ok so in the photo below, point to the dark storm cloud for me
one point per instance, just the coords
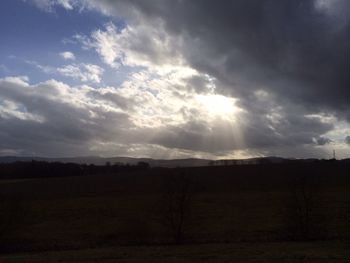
(323, 141)
(347, 140)
(297, 51)
(252, 132)
(294, 48)
(115, 99)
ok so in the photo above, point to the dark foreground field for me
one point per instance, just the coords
(216, 253)
(252, 213)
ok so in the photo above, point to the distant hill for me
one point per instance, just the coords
(190, 162)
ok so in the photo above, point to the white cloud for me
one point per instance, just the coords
(67, 55)
(139, 45)
(105, 45)
(48, 5)
(67, 4)
(82, 72)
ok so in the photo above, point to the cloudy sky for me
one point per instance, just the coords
(175, 78)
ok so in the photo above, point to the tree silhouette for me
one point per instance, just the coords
(176, 205)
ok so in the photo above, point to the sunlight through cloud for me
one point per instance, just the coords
(218, 105)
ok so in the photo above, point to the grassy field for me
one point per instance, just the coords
(234, 213)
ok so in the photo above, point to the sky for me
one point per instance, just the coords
(175, 78)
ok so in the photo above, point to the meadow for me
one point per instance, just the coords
(251, 213)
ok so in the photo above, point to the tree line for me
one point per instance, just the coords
(35, 169)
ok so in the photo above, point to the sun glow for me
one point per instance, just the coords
(218, 105)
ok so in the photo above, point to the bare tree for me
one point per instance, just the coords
(304, 217)
(176, 204)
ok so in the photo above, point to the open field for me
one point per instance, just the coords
(241, 212)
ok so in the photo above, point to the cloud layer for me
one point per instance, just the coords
(234, 79)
